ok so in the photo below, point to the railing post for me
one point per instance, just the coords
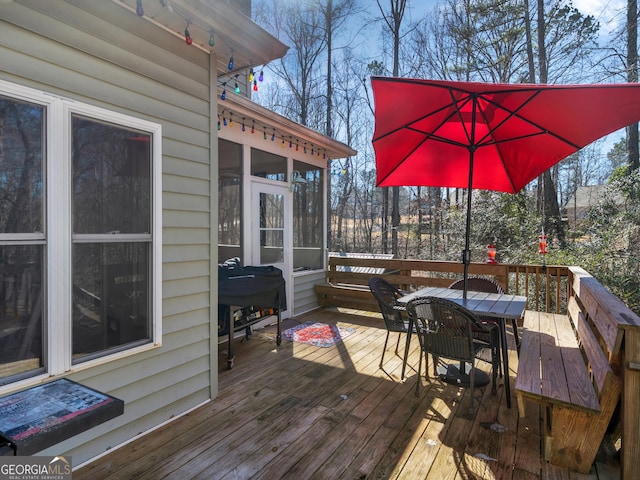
(630, 454)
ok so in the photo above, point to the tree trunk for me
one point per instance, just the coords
(529, 40)
(632, 77)
(551, 209)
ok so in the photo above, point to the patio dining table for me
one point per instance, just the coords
(500, 306)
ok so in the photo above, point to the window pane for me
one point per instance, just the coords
(268, 165)
(21, 164)
(308, 225)
(271, 228)
(229, 200)
(21, 311)
(111, 292)
(111, 178)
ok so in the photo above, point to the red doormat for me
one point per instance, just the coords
(318, 334)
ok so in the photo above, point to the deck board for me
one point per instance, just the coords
(298, 411)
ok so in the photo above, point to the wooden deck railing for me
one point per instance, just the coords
(548, 289)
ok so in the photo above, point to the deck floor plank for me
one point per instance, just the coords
(298, 411)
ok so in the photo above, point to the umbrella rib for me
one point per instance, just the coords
(514, 113)
(415, 120)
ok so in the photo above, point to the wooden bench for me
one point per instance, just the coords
(347, 279)
(569, 364)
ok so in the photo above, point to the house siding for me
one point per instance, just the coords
(99, 53)
(305, 298)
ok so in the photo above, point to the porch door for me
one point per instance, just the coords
(271, 231)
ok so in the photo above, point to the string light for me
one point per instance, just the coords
(251, 75)
(139, 9)
(230, 65)
(255, 86)
(187, 35)
(314, 151)
(261, 76)
(224, 91)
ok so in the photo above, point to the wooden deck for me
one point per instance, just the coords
(304, 412)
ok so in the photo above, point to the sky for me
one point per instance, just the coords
(603, 11)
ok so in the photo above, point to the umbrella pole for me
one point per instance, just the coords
(466, 253)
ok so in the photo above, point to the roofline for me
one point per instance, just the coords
(243, 107)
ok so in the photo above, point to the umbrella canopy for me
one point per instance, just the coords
(488, 136)
(425, 129)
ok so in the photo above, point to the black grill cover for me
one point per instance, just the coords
(252, 286)
(260, 287)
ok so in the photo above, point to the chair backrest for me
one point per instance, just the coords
(387, 297)
(478, 284)
(445, 327)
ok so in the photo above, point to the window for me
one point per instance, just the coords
(229, 200)
(22, 238)
(308, 218)
(80, 263)
(268, 165)
(111, 204)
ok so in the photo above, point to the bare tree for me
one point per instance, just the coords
(301, 25)
(393, 20)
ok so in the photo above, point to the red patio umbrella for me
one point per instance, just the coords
(488, 136)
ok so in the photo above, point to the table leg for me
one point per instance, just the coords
(505, 360)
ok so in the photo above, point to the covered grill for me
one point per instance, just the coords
(247, 295)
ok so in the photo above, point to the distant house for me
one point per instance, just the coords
(129, 169)
(582, 201)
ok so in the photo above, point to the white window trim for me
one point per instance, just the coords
(57, 184)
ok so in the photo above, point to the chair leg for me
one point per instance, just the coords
(398, 342)
(406, 354)
(514, 324)
(384, 349)
(471, 378)
(420, 372)
(496, 358)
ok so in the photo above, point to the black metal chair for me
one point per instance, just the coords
(446, 329)
(481, 284)
(393, 313)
